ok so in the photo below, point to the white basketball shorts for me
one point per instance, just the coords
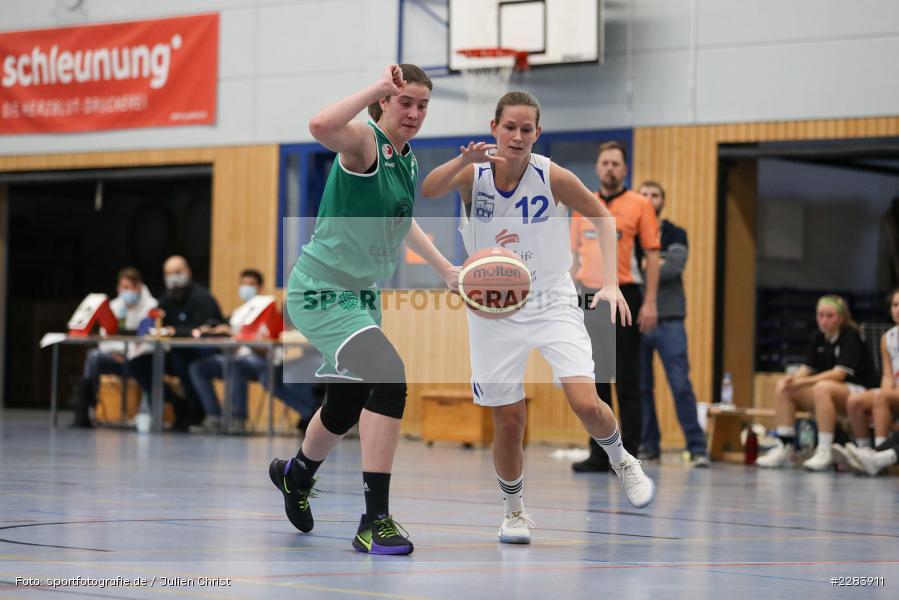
(500, 350)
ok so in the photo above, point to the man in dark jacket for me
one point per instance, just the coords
(669, 339)
(187, 306)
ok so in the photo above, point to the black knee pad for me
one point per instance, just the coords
(371, 356)
(388, 399)
(342, 406)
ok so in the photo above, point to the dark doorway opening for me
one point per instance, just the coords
(69, 235)
(798, 220)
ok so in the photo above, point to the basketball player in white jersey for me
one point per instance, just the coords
(879, 404)
(521, 201)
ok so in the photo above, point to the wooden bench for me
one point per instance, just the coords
(452, 416)
(725, 425)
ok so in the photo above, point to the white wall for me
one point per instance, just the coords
(667, 62)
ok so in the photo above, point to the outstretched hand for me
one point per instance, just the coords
(477, 152)
(612, 294)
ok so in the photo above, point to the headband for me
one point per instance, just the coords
(834, 303)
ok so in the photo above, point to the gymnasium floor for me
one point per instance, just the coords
(109, 504)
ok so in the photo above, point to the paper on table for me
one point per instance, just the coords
(52, 338)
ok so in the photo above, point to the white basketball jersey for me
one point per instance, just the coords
(526, 220)
(892, 338)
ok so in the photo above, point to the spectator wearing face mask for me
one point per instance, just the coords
(248, 365)
(187, 306)
(130, 306)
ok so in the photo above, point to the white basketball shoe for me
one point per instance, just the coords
(638, 487)
(516, 528)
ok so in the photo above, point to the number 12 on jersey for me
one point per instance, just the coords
(540, 202)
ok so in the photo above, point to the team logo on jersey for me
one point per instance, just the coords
(483, 207)
(402, 213)
(503, 238)
(387, 151)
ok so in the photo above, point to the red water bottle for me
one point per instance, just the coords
(751, 449)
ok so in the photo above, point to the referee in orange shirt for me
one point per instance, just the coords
(638, 237)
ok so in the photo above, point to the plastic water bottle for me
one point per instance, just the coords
(727, 390)
(143, 420)
(806, 434)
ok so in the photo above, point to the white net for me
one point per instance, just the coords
(486, 79)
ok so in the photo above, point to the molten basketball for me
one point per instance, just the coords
(494, 283)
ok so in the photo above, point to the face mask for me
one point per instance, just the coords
(130, 297)
(177, 280)
(247, 291)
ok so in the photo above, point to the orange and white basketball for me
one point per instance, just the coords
(494, 283)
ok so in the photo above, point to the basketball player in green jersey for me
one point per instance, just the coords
(365, 214)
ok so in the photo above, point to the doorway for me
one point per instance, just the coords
(69, 233)
(799, 220)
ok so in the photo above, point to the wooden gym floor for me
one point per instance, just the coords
(111, 503)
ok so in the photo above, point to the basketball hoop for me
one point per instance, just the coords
(486, 73)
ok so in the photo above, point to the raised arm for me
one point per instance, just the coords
(455, 174)
(569, 190)
(335, 126)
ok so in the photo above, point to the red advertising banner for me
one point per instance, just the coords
(155, 73)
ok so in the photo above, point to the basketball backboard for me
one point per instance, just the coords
(553, 32)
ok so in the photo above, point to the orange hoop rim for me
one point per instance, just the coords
(520, 56)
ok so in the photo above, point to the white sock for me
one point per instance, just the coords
(613, 447)
(886, 458)
(511, 493)
(863, 442)
(825, 440)
(879, 439)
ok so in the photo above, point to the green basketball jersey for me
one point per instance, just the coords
(363, 218)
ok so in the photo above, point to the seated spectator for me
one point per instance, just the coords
(298, 393)
(187, 306)
(130, 306)
(838, 363)
(881, 404)
(248, 365)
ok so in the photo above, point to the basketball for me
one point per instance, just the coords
(494, 283)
